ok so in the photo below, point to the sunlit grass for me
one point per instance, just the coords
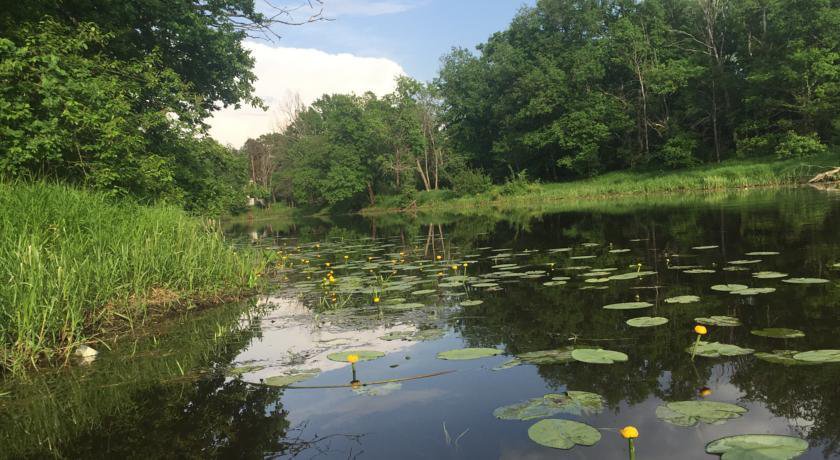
(73, 263)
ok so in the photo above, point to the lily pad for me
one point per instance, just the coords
(397, 335)
(424, 292)
(765, 275)
(819, 356)
(403, 306)
(725, 321)
(428, 334)
(784, 357)
(471, 303)
(556, 356)
(571, 402)
(554, 283)
(805, 280)
(485, 285)
(683, 299)
(462, 354)
(628, 306)
(508, 364)
(646, 321)
(744, 262)
(704, 248)
(758, 447)
(754, 291)
(689, 413)
(288, 379)
(762, 253)
(618, 251)
(728, 287)
(632, 275)
(717, 349)
(598, 356)
(364, 355)
(778, 333)
(563, 434)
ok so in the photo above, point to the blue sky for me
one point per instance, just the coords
(413, 33)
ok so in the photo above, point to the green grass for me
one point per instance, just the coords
(76, 266)
(727, 175)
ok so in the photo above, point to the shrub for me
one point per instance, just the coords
(797, 145)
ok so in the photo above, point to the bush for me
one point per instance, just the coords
(518, 184)
(796, 145)
(678, 152)
(469, 181)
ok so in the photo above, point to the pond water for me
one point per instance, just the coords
(761, 270)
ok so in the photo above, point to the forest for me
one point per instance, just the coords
(571, 90)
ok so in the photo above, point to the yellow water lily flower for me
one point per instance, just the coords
(629, 432)
(376, 300)
(352, 359)
(700, 329)
(438, 257)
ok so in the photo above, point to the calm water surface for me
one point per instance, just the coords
(172, 394)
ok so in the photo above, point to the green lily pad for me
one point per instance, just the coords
(784, 357)
(618, 251)
(699, 271)
(805, 280)
(628, 306)
(364, 355)
(632, 275)
(288, 379)
(733, 268)
(744, 262)
(704, 248)
(598, 356)
(725, 321)
(424, 292)
(397, 335)
(591, 245)
(646, 321)
(778, 333)
(758, 447)
(754, 291)
(556, 356)
(403, 306)
(716, 350)
(597, 280)
(428, 334)
(689, 413)
(508, 364)
(769, 275)
(461, 354)
(563, 434)
(554, 283)
(471, 303)
(485, 285)
(582, 257)
(819, 356)
(683, 299)
(571, 402)
(837, 265)
(762, 253)
(728, 287)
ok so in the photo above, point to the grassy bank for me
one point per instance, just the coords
(76, 267)
(727, 175)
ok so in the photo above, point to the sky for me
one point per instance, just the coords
(364, 46)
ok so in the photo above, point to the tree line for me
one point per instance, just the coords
(573, 89)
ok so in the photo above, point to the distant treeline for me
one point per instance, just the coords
(572, 89)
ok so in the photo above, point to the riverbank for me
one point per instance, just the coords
(727, 175)
(78, 268)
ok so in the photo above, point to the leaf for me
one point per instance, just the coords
(364, 355)
(703, 248)
(554, 283)
(725, 321)
(628, 306)
(571, 402)
(646, 321)
(598, 356)
(557, 356)
(471, 303)
(805, 280)
(631, 275)
(744, 262)
(689, 413)
(778, 333)
(485, 285)
(769, 275)
(288, 379)
(699, 271)
(424, 292)
(618, 251)
(461, 354)
(754, 291)
(728, 287)
(762, 253)
(819, 356)
(508, 364)
(563, 434)
(784, 357)
(716, 350)
(403, 306)
(397, 335)
(683, 299)
(757, 447)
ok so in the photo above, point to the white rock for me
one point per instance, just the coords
(85, 351)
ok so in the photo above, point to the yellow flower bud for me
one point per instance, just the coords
(352, 359)
(438, 257)
(700, 329)
(629, 432)
(376, 300)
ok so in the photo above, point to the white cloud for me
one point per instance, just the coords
(366, 7)
(283, 72)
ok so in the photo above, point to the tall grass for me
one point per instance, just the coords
(72, 263)
(727, 175)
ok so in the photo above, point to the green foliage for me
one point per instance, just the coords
(470, 181)
(78, 262)
(795, 145)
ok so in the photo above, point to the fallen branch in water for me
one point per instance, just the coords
(361, 384)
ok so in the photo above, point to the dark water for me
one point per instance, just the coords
(169, 396)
